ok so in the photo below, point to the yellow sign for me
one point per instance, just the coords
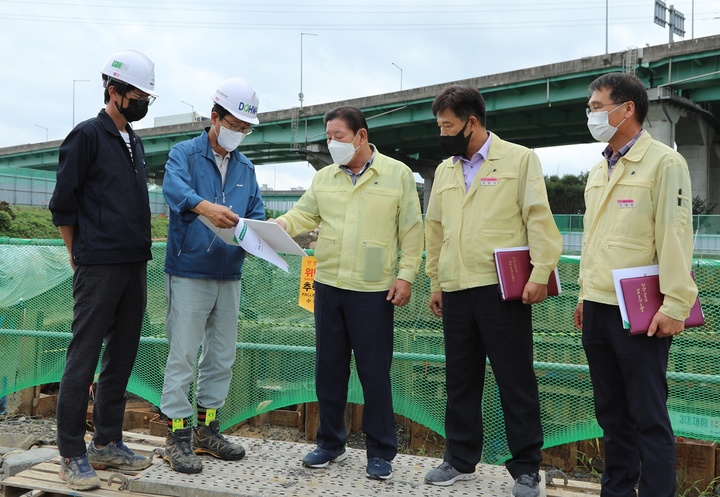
(307, 283)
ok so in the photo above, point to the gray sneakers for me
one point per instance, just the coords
(527, 485)
(78, 474)
(445, 475)
(116, 455)
(179, 452)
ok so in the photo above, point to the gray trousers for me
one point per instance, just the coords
(199, 312)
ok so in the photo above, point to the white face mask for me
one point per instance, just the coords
(599, 125)
(342, 152)
(229, 139)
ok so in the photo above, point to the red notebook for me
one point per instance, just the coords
(514, 267)
(643, 299)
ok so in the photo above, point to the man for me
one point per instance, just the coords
(206, 176)
(490, 194)
(369, 208)
(101, 206)
(628, 372)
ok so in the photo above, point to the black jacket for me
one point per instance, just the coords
(103, 193)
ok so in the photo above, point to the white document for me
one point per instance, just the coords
(262, 239)
(631, 272)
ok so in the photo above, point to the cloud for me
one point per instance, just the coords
(195, 45)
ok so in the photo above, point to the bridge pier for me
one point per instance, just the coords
(688, 129)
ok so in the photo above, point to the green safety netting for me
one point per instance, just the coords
(275, 361)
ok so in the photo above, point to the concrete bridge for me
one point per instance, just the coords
(537, 107)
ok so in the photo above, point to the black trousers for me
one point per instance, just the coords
(478, 324)
(630, 392)
(360, 322)
(109, 306)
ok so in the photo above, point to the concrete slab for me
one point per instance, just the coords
(273, 468)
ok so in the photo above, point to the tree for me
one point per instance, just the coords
(567, 194)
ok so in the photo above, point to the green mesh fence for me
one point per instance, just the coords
(275, 361)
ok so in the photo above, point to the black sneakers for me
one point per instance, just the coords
(179, 452)
(208, 440)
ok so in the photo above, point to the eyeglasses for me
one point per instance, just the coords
(596, 108)
(140, 98)
(243, 128)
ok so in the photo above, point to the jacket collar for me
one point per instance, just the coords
(498, 150)
(109, 124)
(638, 150)
(207, 151)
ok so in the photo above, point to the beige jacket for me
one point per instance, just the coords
(640, 216)
(506, 206)
(363, 225)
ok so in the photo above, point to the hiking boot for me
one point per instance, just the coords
(527, 485)
(208, 440)
(445, 475)
(179, 453)
(116, 455)
(321, 458)
(378, 468)
(78, 474)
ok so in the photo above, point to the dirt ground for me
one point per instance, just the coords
(46, 432)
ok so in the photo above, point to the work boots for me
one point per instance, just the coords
(179, 452)
(208, 440)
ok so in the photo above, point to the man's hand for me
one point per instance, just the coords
(578, 316)
(281, 223)
(664, 326)
(219, 215)
(436, 303)
(399, 293)
(534, 293)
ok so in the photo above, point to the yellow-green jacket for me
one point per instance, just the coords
(363, 225)
(506, 206)
(640, 216)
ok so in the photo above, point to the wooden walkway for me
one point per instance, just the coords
(273, 469)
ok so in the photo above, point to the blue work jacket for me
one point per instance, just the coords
(191, 175)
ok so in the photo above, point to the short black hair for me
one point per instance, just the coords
(464, 101)
(624, 87)
(120, 86)
(220, 110)
(352, 116)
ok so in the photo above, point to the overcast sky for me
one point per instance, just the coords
(361, 48)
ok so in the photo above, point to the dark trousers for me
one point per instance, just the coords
(109, 305)
(476, 324)
(360, 322)
(630, 392)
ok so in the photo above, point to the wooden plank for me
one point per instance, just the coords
(574, 488)
(44, 476)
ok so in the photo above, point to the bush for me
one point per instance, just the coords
(31, 222)
(5, 221)
(36, 222)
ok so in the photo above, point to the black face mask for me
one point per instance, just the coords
(135, 110)
(457, 144)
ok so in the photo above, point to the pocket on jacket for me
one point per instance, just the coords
(448, 266)
(373, 263)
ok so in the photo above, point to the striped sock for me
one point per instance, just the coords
(176, 424)
(206, 416)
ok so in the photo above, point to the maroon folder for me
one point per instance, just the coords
(643, 299)
(513, 269)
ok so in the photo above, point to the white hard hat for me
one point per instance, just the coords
(238, 97)
(133, 68)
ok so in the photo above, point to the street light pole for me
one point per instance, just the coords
(192, 108)
(401, 71)
(73, 103)
(46, 131)
(606, 26)
(300, 95)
